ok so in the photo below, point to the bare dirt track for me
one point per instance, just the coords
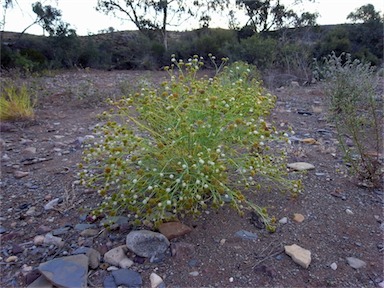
(341, 219)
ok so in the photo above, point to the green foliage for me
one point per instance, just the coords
(356, 111)
(16, 103)
(336, 40)
(186, 145)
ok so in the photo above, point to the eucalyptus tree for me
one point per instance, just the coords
(158, 15)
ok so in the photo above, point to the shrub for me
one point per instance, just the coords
(16, 103)
(196, 142)
(355, 109)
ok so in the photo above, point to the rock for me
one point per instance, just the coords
(50, 239)
(70, 271)
(311, 141)
(92, 254)
(182, 250)
(51, 204)
(89, 232)
(127, 278)
(31, 211)
(295, 84)
(109, 282)
(174, 229)
(333, 266)
(246, 235)
(125, 263)
(299, 255)
(349, 211)
(40, 282)
(29, 151)
(2, 230)
(20, 174)
(11, 259)
(156, 281)
(38, 240)
(298, 217)
(147, 243)
(283, 220)
(355, 262)
(61, 231)
(81, 227)
(16, 249)
(115, 255)
(300, 166)
(32, 276)
(25, 269)
(194, 273)
(381, 284)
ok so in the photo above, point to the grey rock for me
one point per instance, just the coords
(147, 243)
(89, 232)
(51, 204)
(300, 166)
(283, 220)
(92, 254)
(70, 271)
(128, 278)
(40, 282)
(81, 227)
(156, 281)
(355, 262)
(2, 230)
(246, 235)
(50, 239)
(61, 231)
(109, 282)
(115, 255)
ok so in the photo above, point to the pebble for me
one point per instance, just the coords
(89, 232)
(283, 220)
(156, 281)
(51, 204)
(194, 273)
(127, 278)
(297, 217)
(355, 262)
(38, 240)
(173, 230)
(349, 211)
(11, 259)
(116, 255)
(81, 227)
(50, 239)
(246, 235)
(300, 166)
(146, 243)
(333, 266)
(20, 174)
(299, 255)
(29, 151)
(125, 263)
(182, 250)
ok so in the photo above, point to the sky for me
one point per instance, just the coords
(84, 18)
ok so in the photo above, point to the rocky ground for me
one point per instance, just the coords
(45, 235)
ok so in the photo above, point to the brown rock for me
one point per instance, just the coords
(299, 255)
(298, 217)
(20, 174)
(174, 229)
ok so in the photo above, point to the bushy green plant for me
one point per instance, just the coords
(356, 111)
(195, 142)
(16, 103)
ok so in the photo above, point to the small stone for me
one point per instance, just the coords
(127, 278)
(16, 249)
(156, 280)
(349, 211)
(301, 166)
(298, 217)
(182, 250)
(299, 255)
(194, 273)
(32, 276)
(29, 151)
(246, 235)
(81, 227)
(283, 220)
(222, 241)
(334, 266)
(147, 243)
(112, 268)
(125, 263)
(31, 211)
(50, 239)
(115, 255)
(89, 232)
(11, 259)
(93, 256)
(381, 284)
(20, 174)
(25, 269)
(355, 262)
(43, 229)
(38, 240)
(230, 279)
(61, 231)
(51, 204)
(174, 229)
(310, 141)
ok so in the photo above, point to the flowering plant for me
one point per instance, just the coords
(195, 142)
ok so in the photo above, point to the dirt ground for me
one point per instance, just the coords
(341, 219)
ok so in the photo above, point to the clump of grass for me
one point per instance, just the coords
(197, 142)
(356, 111)
(16, 103)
